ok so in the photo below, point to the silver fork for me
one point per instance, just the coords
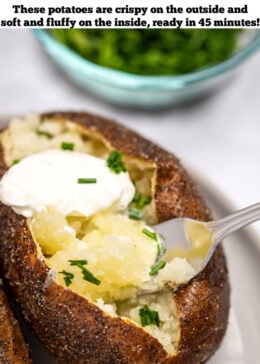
(180, 233)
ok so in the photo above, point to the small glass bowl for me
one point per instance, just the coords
(138, 91)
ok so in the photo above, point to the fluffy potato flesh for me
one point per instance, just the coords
(118, 254)
(112, 245)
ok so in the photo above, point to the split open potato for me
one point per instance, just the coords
(92, 311)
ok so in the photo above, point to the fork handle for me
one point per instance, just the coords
(237, 220)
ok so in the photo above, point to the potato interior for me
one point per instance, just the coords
(111, 245)
(116, 256)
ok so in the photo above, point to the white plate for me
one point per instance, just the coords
(241, 344)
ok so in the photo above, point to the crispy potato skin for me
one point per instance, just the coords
(75, 330)
(13, 349)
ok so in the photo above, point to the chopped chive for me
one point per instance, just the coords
(148, 316)
(67, 277)
(15, 161)
(67, 146)
(87, 275)
(114, 162)
(140, 200)
(78, 262)
(134, 213)
(44, 133)
(157, 267)
(150, 234)
(87, 180)
(159, 249)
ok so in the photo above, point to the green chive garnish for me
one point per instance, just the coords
(78, 262)
(67, 277)
(15, 161)
(114, 162)
(157, 267)
(141, 201)
(87, 275)
(149, 317)
(44, 133)
(134, 213)
(67, 146)
(150, 234)
(87, 180)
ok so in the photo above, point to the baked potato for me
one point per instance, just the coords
(101, 318)
(13, 349)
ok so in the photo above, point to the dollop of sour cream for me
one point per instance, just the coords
(51, 178)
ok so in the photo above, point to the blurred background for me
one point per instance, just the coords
(216, 136)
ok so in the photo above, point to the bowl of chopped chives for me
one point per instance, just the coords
(149, 68)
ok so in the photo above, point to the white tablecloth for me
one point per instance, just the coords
(219, 137)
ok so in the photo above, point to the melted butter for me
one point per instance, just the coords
(200, 238)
